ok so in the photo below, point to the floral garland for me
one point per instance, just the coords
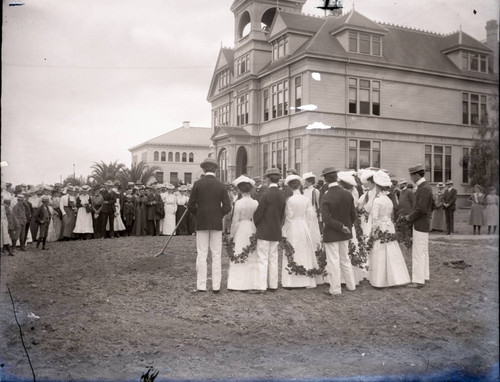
(292, 267)
(404, 232)
(243, 256)
(359, 254)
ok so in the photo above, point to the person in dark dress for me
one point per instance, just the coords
(108, 209)
(42, 217)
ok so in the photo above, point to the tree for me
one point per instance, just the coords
(74, 180)
(101, 172)
(138, 172)
(483, 159)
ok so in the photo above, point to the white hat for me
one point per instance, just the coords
(291, 177)
(308, 175)
(169, 186)
(346, 177)
(382, 179)
(243, 179)
(366, 174)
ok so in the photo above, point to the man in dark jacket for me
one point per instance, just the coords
(108, 209)
(406, 197)
(209, 202)
(420, 216)
(338, 213)
(449, 204)
(269, 218)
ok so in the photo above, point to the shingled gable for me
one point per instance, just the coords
(356, 21)
(294, 22)
(182, 136)
(225, 59)
(461, 40)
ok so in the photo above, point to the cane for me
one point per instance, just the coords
(172, 234)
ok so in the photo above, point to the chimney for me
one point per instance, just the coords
(492, 43)
(185, 124)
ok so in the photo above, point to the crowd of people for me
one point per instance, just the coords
(52, 213)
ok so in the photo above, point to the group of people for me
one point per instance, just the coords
(484, 210)
(304, 221)
(52, 213)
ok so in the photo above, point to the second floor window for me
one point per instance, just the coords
(265, 157)
(242, 110)
(364, 96)
(163, 156)
(365, 43)
(279, 93)
(155, 156)
(224, 79)
(298, 93)
(473, 109)
(243, 64)
(474, 61)
(221, 116)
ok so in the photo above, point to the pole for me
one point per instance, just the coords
(172, 234)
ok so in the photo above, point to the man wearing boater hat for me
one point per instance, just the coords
(209, 202)
(420, 216)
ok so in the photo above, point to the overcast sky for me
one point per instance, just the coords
(85, 80)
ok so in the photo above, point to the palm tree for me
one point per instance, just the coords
(138, 172)
(101, 172)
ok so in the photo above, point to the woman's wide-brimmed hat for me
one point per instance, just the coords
(273, 171)
(243, 179)
(346, 177)
(382, 179)
(291, 177)
(209, 161)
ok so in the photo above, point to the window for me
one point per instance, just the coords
(364, 96)
(163, 156)
(173, 177)
(191, 158)
(266, 104)
(363, 154)
(474, 61)
(156, 156)
(134, 159)
(224, 77)
(474, 109)
(221, 116)
(144, 157)
(170, 156)
(265, 157)
(243, 64)
(188, 177)
(280, 47)
(365, 43)
(159, 176)
(298, 93)
(437, 163)
(298, 153)
(177, 157)
(223, 165)
(184, 157)
(279, 98)
(279, 156)
(242, 110)
(465, 164)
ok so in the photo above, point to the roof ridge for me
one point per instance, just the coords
(409, 28)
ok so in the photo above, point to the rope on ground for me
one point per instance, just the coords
(21, 333)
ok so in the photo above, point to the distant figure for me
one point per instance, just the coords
(476, 211)
(491, 210)
(449, 204)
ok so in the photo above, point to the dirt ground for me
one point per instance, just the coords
(109, 309)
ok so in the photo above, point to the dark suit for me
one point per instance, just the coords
(421, 213)
(154, 212)
(269, 218)
(338, 211)
(406, 199)
(209, 202)
(108, 212)
(450, 198)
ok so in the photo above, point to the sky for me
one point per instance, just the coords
(85, 80)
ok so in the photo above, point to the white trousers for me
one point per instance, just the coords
(420, 257)
(337, 263)
(267, 265)
(204, 240)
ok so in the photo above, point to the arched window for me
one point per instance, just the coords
(177, 157)
(155, 156)
(244, 27)
(223, 165)
(170, 156)
(184, 157)
(163, 156)
(191, 157)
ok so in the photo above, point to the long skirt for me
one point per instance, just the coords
(69, 221)
(183, 227)
(438, 222)
(490, 216)
(387, 265)
(476, 214)
(243, 276)
(84, 223)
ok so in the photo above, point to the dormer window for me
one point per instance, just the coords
(474, 61)
(365, 43)
(280, 47)
(243, 64)
(223, 79)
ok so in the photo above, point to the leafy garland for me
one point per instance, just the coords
(292, 267)
(404, 232)
(243, 256)
(359, 254)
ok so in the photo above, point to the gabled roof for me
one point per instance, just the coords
(294, 22)
(355, 20)
(226, 131)
(184, 136)
(461, 40)
(224, 59)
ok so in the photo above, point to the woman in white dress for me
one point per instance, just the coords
(387, 264)
(243, 276)
(296, 230)
(170, 207)
(118, 225)
(84, 226)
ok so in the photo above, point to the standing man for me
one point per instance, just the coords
(338, 212)
(449, 205)
(406, 198)
(258, 189)
(108, 209)
(20, 218)
(269, 218)
(209, 202)
(420, 216)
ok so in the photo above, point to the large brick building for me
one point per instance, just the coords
(391, 96)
